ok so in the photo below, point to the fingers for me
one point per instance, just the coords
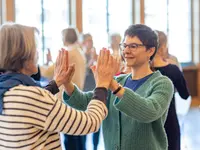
(106, 56)
(110, 61)
(70, 72)
(58, 58)
(117, 66)
(62, 56)
(103, 57)
(65, 59)
(99, 59)
(93, 68)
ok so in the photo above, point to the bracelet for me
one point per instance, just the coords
(117, 90)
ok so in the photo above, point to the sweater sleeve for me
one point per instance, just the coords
(36, 107)
(147, 109)
(180, 83)
(78, 99)
(52, 87)
(62, 118)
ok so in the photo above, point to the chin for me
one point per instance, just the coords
(130, 64)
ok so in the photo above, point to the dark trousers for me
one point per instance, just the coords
(96, 140)
(74, 142)
(172, 129)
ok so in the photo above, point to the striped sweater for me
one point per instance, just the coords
(32, 119)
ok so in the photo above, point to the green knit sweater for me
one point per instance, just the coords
(143, 114)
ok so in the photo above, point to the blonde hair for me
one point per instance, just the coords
(116, 37)
(162, 38)
(17, 45)
(70, 35)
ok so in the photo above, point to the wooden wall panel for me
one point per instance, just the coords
(79, 21)
(10, 10)
(142, 14)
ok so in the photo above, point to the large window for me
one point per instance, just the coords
(180, 30)
(163, 15)
(56, 18)
(95, 21)
(49, 16)
(101, 18)
(120, 15)
(156, 14)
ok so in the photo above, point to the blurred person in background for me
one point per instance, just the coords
(172, 72)
(114, 41)
(165, 52)
(86, 42)
(89, 50)
(76, 56)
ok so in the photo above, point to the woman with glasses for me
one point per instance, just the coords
(138, 102)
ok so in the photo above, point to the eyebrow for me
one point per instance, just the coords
(134, 43)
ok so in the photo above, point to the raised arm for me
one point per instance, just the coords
(145, 109)
(103, 76)
(63, 118)
(180, 83)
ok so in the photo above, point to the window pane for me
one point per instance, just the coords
(120, 15)
(156, 14)
(56, 18)
(163, 16)
(179, 30)
(94, 21)
(29, 13)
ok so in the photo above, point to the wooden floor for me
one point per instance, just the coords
(191, 130)
(195, 102)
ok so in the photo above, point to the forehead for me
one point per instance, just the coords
(134, 39)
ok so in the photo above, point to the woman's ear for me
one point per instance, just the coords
(151, 51)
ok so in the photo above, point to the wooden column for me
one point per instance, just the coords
(79, 21)
(10, 10)
(142, 14)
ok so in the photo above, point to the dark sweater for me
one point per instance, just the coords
(172, 126)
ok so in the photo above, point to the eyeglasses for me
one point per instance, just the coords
(132, 46)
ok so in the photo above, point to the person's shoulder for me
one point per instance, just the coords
(158, 78)
(174, 69)
(33, 92)
(173, 57)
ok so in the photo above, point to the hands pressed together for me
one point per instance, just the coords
(63, 72)
(106, 68)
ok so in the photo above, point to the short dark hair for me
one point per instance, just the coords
(146, 35)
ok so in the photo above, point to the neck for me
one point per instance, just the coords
(141, 71)
(25, 72)
(159, 62)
